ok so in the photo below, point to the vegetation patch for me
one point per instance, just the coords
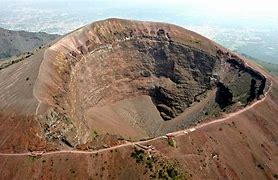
(94, 134)
(138, 155)
(172, 142)
(169, 172)
(158, 167)
(33, 158)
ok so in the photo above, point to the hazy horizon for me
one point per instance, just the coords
(247, 26)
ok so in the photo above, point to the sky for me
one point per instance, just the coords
(252, 9)
(255, 8)
(227, 6)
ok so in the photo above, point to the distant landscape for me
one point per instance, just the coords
(270, 67)
(254, 35)
(14, 43)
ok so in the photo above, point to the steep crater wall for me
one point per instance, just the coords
(172, 74)
(114, 60)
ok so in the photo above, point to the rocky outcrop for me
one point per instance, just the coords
(244, 83)
(59, 127)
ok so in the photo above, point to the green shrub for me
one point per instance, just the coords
(172, 142)
(138, 155)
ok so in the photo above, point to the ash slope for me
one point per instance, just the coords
(14, 43)
(118, 78)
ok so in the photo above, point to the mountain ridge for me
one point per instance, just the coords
(14, 43)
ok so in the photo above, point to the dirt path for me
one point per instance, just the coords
(70, 151)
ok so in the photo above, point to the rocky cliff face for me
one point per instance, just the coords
(112, 61)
